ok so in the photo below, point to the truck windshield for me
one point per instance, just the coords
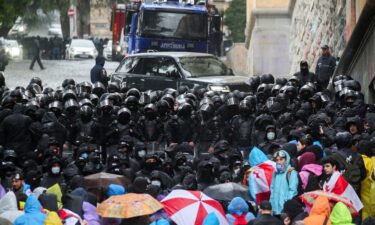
(174, 25)
(203, 66)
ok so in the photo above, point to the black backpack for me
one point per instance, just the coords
(351, 170)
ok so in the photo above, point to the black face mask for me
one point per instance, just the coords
(304, 70)
(150, 115)
(151, 166)
(85, 118)
(123, 120)
(34, 182)
(206, 173)
(107, 111)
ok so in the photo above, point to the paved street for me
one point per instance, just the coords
(18, 73)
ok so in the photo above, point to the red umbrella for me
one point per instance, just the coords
(191, 207)
(309, 198)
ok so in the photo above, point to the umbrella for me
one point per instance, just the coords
(227, 191)
(128, 206)
(102, 180)
(191, 207)
(309, 198)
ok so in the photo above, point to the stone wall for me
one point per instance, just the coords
(314, 23)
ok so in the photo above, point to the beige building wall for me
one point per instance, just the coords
(281, 33)
(100, 19)
(267, 37)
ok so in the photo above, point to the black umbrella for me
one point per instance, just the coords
(227, 191)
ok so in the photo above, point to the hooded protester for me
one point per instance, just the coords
(310, 172)
(89, 208)
(269, 144)
(284, 184)
(53, 219)
(304, 75)
(320, 212)
(341, 215)
(72, 211)
(8, 207)
(259, 162)
(33, 213)
(366, 149)
(54, 174)
(211, 219)
(205, 175)
(49, 202)
(98, 73)
(238, 212)
(56, 190)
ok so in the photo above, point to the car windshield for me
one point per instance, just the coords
(203, 66)
(174, 25)
(82, 43)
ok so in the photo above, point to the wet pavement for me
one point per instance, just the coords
(17, 73)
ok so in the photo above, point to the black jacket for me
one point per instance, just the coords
(15, 133)
(97, 74)
(265, 219)
(325, 68)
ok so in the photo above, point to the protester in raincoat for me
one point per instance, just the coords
(53, 219)
(367, 185)
(238, 212)
(112, 190)
(89, 208)
(284, 184)
(320, 212)
(8, 207)
(340, 215)
(211, 219)
(260, 163)
(33, 214)
(160, 222)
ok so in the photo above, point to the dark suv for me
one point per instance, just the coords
(160, 70)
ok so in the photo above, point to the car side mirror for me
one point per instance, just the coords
(67, 46)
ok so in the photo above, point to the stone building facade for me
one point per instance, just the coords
(281, 33)
(315, 23)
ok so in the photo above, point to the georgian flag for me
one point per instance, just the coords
(260, 180)
(338, 185)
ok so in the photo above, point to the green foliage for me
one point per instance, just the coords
(235, 19)
(10, 10)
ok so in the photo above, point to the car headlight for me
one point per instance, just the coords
(219, 88)
(15, 51)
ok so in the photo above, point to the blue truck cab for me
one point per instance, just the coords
(169, 26)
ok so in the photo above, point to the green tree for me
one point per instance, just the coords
(235, 19)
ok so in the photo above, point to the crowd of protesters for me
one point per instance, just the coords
(189, 139)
